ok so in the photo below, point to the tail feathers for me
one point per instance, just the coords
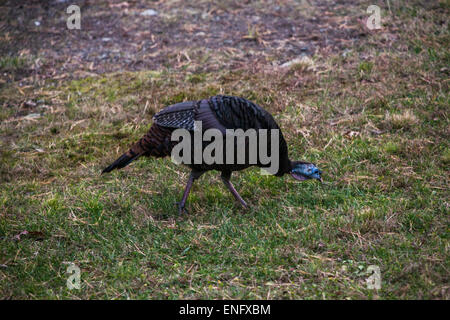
(123, 161)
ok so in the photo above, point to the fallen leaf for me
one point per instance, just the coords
(32, 116)
(351, 134)
(17, 236)
(36, 235)
(119, 5)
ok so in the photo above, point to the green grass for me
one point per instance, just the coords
(12, 63)
(375, 121)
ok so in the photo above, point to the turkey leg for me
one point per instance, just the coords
(194, 176)
(226, 180)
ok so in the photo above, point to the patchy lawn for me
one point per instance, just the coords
(370, 108)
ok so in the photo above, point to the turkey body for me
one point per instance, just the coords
(220, 113)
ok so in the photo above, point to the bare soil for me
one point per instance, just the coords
(116, 36)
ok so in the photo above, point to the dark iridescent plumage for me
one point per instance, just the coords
(218, 112)
(180, 115)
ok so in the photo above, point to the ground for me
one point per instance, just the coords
(369, 107)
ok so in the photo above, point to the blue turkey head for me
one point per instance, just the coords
(305, 171)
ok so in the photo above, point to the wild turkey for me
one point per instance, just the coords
(221, 113)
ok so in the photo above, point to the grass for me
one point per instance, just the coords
(375, 120)
(12, 63)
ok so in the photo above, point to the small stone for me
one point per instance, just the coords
(30, 104)
(346, 52)
(149, 12)
(32, 116)
(303, 59)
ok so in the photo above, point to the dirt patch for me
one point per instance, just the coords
(136, 35)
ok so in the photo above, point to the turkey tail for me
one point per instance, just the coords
(155, 143)
(122, 161)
